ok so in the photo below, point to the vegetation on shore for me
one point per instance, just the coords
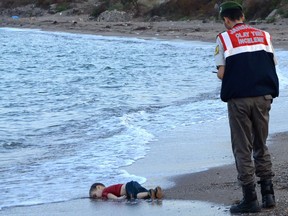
(169, 9)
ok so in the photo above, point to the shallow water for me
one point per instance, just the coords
(77, 108)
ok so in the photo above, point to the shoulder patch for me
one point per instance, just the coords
(216, 50)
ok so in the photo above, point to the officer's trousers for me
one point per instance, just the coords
(248, 120)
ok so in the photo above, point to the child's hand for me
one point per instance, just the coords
(113, 197)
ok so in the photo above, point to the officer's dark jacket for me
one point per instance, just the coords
(250, 68)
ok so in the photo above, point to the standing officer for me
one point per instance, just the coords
(245, 60)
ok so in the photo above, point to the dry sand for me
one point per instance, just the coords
(188, 30)
(217, 186)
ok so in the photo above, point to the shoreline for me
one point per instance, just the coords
(217, 185)
(203, 185)
(197, 30)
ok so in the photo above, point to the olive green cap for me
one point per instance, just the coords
(229, 5)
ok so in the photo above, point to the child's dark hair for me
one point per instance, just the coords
(93, 187)
(232, 14)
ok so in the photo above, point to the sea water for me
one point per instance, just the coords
(76, 108)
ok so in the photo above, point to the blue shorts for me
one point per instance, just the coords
(133, 188)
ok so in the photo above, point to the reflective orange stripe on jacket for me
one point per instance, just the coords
(243, 38)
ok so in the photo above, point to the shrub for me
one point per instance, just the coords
(97, 10)
(118, 6)
(15, 3)
(283, 12)
(61, 3)
(259, 8)
(186, 8)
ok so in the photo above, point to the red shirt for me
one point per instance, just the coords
(113, 189)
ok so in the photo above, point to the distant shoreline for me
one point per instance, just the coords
(186, 30)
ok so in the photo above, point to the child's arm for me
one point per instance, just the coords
(112, 196)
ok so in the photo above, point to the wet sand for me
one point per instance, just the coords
(217, 185)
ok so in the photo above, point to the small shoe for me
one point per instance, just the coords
(158, 192)
(152, 194)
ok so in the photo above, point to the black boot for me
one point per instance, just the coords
(249, 203)
(267, 192)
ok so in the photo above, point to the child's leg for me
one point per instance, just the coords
(133, 188)
(143, 195)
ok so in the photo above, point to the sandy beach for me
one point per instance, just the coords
(199, 30)
(207, 192)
